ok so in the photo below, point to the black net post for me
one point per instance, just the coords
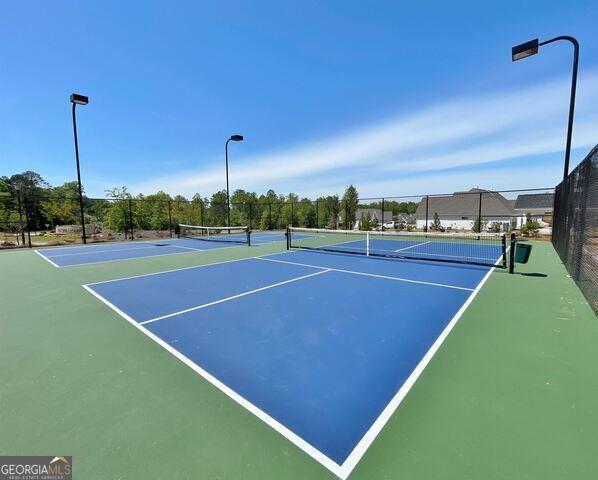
(288, 238)
(131, 218)
(504, 251)
(512, 253)
(27, 221)
(170, 218)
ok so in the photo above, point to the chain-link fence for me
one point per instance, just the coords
(56, 220)
(575, 233)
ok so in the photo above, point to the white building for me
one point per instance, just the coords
(460, 210)
(538, 207)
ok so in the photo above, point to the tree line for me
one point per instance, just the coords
(28, 197)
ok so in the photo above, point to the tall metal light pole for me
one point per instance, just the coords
(77, 99)
(530, 48)
(234, 138)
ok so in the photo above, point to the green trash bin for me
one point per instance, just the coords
(522, 252)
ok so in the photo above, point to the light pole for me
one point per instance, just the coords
(77, 99)
(530, 48)
(234, 138)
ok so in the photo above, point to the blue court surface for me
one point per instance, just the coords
(109, 252)
(322, 347)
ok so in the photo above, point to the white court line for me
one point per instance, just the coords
(95, 252)
(386, 277)
(344, 470)
(192, 309)
(46, 258)
(108, 243)
(177, 269)
(180, 246)
(365, 442)
(146, 256)
(413, 246)
(263, 416)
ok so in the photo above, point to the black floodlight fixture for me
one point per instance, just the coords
(524, 50)
(234, 138)
(79, 99)
(530, 48)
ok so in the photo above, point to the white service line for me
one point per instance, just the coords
(386, 277)
(412, 246)
(180, 246)
(222, 300)
(163, 272)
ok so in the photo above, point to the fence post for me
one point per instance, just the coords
(317, 214)
(269, 216)
(292, 212)
(382, 228)
(201, 212)
(27, 221)
(21, 229)
(427, 204)
(480, 213)
(249, 215)
(131, 219)
(346, 215)
(169, 218)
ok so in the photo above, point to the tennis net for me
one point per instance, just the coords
(216, 234)
(485, 249)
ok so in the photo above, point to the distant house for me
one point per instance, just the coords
(538, 207)
(407, 218)
(375, 215)
(460, 210)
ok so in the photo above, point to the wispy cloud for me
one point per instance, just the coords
(462, 132)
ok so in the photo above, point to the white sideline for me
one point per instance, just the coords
(365, 442)
(222, 300)
(46, 259)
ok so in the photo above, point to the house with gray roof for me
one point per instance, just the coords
(537, 206)
(460, 210)
(375, 215)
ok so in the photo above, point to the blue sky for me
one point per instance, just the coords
(395, 97)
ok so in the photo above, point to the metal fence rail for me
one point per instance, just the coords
(575, 230)
(51, 219)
